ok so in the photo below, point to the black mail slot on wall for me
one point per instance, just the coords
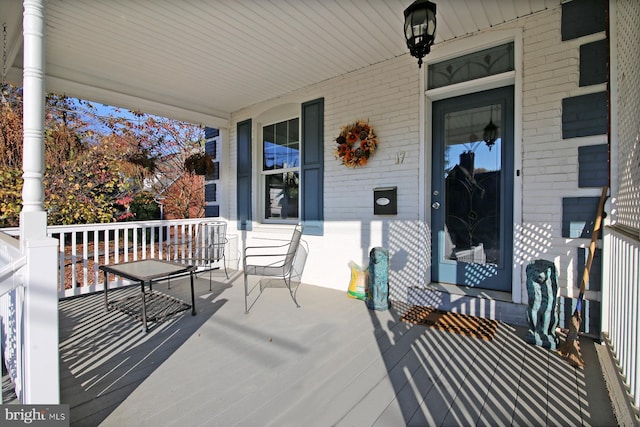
(385, 201)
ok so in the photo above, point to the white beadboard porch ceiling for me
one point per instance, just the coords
(202, 60)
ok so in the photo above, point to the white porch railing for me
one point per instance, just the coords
(11, 306)
(84, 247)
(621, 300)
(81, 250)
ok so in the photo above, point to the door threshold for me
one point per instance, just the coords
(485, 303)
(471, 292)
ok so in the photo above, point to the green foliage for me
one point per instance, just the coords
(143, 207)
(11, 132)
(96, 166)
(77, 194)
(78, 209)
(10, 196)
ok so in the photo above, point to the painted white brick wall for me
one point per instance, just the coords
(387, 94)
(550, 164)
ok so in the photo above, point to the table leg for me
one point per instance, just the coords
(106, 285)
(193, 298)
(144, 307)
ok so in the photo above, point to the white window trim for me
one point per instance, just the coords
(272, 116)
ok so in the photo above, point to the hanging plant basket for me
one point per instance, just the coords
(143, 160)
(200, 164)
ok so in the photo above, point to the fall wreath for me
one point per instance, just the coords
(356, 143)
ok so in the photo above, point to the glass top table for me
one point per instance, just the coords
(145, 272)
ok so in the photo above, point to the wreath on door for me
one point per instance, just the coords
(356, 143)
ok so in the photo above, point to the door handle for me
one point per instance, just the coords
(435, 205)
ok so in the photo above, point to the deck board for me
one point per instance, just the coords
(419, 381)
(330, 362)
(469, 402)
(499, 401)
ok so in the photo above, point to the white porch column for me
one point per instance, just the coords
(33, 121)
(41, 373)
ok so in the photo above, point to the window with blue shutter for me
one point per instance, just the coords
(309, 181)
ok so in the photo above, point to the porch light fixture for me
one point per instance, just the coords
(490, 133)
(420, 28)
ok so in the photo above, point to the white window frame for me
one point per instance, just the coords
(262, 174)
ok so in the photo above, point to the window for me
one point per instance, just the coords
(487, 62)
(280, 174)
(304, 170)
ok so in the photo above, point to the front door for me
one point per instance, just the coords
(472, 190)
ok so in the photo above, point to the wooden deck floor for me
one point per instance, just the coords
(330, 362)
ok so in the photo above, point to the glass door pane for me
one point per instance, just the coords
(472, 169)
(472, 190)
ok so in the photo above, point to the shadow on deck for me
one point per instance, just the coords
(330, 362)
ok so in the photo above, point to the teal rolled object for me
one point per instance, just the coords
(542, 288)
(378, 293)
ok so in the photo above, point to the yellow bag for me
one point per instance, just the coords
(359, 283)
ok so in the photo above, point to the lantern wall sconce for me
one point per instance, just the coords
(420, 28)
(490, 134)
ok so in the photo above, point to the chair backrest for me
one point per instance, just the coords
(293, 248)
(211, 240)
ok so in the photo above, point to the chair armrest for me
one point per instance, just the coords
(265, 253)
(281, 255)
(265, 248)
(220, 243)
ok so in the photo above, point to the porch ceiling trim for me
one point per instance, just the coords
(216, 119)
(202, 61)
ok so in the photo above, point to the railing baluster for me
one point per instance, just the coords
(138, 250)
(152, 252)
(74, 267)
(61, 269)
(107, 255)
(622, 324)
(116, 246)
(125, 248)
(85, 256)
(96, 255)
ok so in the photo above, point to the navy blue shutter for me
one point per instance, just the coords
(211, 132)
(211, 149)
(312, 167)
(210, 192)
(244, 175)
(212, 211)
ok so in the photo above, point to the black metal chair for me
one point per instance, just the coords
(205, 248)
(211, 241)
(272, 261)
